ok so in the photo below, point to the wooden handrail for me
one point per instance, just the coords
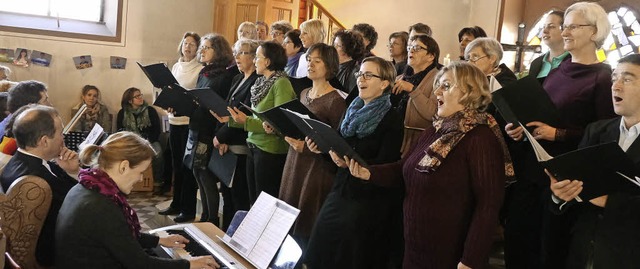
(333, 23)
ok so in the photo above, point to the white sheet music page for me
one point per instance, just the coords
(93, 136)
(263, 230)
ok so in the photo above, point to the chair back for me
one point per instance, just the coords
(24, 207)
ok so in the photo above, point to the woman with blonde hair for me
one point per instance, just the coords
(97, 228)
(311, 32)
(96, 111)
(248, 30)
(463, 155)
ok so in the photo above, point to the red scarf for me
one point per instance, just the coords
(98, 180)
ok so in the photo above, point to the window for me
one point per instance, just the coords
(99, 20)
(84, 10)
(623, 40)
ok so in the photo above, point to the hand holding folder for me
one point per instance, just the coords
(603, 168)
(211, 100)
(159, 75)
(177, 99)
(525, 101)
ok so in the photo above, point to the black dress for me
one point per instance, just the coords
(359, 224)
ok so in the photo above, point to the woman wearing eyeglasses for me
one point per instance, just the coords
(354, 228)
(580, 88)
(486, 54)
(218, 72)
(453, 177)
(413, 95)
(267, 151)
(293, 48)
(139, 117)
(235, 139)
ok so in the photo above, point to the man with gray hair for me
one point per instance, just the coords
(41, 152)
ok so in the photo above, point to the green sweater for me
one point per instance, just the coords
(280, 93)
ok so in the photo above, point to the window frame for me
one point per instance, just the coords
(31, 25)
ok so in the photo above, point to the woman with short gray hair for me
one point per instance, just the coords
(486, 54)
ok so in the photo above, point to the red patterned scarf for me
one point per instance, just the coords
(453, 129)
(98, 180)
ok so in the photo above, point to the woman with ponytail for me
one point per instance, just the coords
(97, 226)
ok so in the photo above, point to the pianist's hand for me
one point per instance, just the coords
(203, 262)
(173, 241)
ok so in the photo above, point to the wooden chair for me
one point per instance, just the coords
(24, 206)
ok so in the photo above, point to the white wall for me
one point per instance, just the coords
(153, 31)
(445, 17)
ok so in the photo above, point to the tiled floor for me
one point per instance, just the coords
(147, 205)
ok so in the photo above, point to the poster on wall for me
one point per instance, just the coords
(83, 61)
(6, 55)
(118, 62)
(40, 58)
(22, 57)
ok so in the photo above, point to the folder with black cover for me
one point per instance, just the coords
(325, 137)
(525, 101)
(176, 98)
(282, 124)
(603, 168)
(223, 166)
(211, 100)
(159, 75)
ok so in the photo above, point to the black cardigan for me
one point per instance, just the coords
(92, 232)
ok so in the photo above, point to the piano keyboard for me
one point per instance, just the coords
(199, 245)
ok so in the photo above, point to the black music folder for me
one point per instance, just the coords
(281, 123)
(603, 168)
(159, 75)
(325, 137)
(177, 98)
(525, 101)
(211, 100)
(223, 166)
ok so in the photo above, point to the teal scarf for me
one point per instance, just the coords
(361, 119)
(141, 114)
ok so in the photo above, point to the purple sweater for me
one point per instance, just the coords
(582, 94)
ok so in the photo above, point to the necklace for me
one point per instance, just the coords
(317, 94)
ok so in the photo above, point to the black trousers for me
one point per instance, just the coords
(264, 172)
(237, 197)
(184, 184)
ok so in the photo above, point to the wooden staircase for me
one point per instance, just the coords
(312, 9)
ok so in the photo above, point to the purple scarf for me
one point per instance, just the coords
(98, 180)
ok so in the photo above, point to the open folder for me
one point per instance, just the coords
(176, 98)
(282, 124)
(525, 101)
(602, 168)
(159, 75)
(325, 137)
(211, 100)
(262, 231)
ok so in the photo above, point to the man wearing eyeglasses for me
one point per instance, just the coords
(552, 38)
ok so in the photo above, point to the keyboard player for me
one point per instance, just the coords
(96, 227)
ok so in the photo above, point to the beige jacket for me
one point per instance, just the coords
(421, 108)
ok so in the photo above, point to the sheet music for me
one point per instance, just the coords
(635, 180)
(298, 114)
(263, 230)
(272, 237)
(93, 136)
(494, 85)
(251, 228)
(541, 154)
